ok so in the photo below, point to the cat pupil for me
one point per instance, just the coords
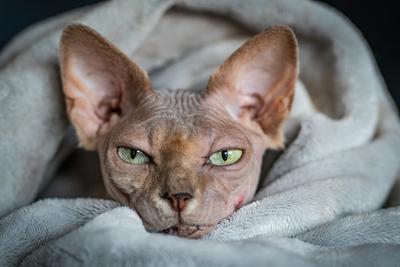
(224, 154)
(133, 153)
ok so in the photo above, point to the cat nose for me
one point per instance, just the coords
(178, 201)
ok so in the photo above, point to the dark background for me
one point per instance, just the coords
(378, 22)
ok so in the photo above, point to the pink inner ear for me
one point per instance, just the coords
(94, 84)
(256, 83)
(95, 80)
(258, 75)
(93, 93)
(259, 71)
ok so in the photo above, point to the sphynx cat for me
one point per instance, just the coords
(183, 160)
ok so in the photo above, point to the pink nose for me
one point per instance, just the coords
(178, 201)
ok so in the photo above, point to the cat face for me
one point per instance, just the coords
(184, 140)
(182, 160)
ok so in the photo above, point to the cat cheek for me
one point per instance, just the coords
(239, 202)
(245, 194)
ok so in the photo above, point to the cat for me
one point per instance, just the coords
(183, 160)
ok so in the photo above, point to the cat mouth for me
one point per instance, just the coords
(188, 231)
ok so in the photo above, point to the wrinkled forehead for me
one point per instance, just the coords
(171, 112)
(167, 104)
(181, 117)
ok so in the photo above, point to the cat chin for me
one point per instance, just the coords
(188, 231)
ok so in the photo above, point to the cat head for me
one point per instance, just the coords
(183, 160)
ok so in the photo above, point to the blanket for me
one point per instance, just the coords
(319, 200)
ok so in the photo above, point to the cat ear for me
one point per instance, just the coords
(256, 83)
(100, 83)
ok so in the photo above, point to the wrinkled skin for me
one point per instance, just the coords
(180, 136)
(111, 104)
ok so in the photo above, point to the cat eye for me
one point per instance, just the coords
(132, 156)
(225, 157)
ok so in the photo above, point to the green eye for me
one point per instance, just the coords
(225, 157)
(132, 156)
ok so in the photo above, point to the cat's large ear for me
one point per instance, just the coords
(256, 83)
(100, 83)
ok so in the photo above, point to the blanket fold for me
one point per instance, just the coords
(318, 199)
(92, 232)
